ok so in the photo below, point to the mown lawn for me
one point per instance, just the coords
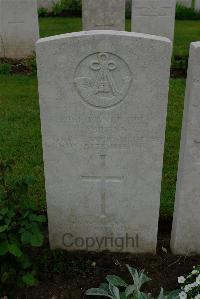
(172, 142)
(20, 136)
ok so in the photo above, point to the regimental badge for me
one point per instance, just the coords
(102, 79)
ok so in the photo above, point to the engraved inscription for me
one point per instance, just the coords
(103, 179)
(16, 22)
(16, 18)
(145, 11)
(102, 79)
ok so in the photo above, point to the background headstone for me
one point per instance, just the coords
(47, 4)
(155, 17)
(103, 101)
(186, 224)
(186, 3)
(197, 5)
(18, 28)
(103, 14)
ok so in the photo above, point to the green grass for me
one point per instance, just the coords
(185, 31)
(57, 25)
(20, 133)
(20, 136)
(172, 142)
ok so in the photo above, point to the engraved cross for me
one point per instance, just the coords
(103, 179)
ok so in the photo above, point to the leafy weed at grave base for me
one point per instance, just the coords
(20, 229)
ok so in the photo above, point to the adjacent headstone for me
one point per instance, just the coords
(103, 101)
(18, 28)
(103, 14)
(186, 224)
(47, 4)
(155, 17)
(197, 5)
(186, 3)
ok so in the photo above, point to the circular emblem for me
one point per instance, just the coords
(102, 79)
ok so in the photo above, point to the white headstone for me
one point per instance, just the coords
(47, 4)
(155, 17)
(103, 101)
(197, 5)
(186, 3)
(186, 225)
(103, 14)
(18, 28)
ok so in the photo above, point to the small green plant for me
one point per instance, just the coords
(29, 65)
(186, 13)
(180, 62)
(190, 285)
(20, 229)
(117, 288)
(42, 12)
(18, 66)
(5, 68)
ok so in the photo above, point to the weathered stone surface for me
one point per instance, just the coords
(18, 28)
(186, 3)
(155, 17)
(103, 101)
(186, 224)
(103, 14)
